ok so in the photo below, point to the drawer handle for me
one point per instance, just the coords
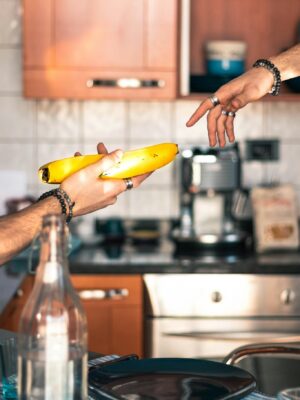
(101, 294)
(126, 83)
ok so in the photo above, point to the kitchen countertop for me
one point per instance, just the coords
(128, 259)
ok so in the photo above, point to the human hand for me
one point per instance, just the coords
(234, 95)
(89, 192)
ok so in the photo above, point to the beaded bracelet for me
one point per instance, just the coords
(274, 70)
(62, 197)
(71, 203)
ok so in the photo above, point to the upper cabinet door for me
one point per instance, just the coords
(100, 48)
(99, 33)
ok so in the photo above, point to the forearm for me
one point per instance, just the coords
(17, 230)
(288, 63)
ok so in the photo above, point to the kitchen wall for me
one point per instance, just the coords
(34, 132)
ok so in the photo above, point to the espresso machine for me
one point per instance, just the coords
(209, 179)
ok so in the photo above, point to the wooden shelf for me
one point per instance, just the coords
(266, 26)
(267, 98)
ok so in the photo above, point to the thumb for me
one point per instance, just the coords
(108, 161)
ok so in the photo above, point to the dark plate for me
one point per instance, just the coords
(170, 379)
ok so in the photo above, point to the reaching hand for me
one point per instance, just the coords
(232, 96)
(91, 193)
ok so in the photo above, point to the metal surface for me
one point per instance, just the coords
(126, 83)
(260, 349)
(101, 294)
(214, 338)
(209, 315)
(240, 295)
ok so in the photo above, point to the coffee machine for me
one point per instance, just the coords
(209, 179)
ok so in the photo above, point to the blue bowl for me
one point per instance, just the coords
(219, 67)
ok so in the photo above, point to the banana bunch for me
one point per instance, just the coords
(133, 163)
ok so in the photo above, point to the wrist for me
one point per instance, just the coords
(272, 68)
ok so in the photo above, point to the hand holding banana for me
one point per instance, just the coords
(133, 163)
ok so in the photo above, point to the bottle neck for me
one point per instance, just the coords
(53, 242)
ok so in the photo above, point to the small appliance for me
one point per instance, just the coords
(209, 179)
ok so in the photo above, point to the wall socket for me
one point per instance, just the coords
(262, 150)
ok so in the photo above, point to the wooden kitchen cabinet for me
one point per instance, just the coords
(95, 49)
(9, 318)
(113, 305)
(114, 309)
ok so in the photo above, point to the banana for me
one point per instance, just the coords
(133, 163)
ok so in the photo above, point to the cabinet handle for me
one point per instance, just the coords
(126, 83)
(101, 294)
(20, 293)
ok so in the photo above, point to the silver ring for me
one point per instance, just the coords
(128, 183)
(228, 113)
(215, 101)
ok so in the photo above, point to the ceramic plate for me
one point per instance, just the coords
(170, 379)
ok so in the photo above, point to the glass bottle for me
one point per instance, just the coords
(52, 346)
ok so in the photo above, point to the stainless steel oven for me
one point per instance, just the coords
(209, 315)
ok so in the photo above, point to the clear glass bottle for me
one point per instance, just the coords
(52, 347)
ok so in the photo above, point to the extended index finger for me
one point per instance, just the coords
(205, 106)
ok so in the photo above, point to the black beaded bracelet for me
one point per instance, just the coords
(274, 70)
(71, 203)
(61, 198)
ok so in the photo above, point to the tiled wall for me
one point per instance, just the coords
(33, 132)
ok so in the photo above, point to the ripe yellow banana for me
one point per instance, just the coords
(133, 163)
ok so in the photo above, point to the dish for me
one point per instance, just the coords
(170, 378)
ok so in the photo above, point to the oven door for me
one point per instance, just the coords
(215, 338)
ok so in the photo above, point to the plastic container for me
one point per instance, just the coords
(225, 57)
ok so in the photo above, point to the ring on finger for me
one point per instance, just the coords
(215, 101)
(128, 183)
(228, 113)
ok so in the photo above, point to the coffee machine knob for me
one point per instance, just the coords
(216, 297)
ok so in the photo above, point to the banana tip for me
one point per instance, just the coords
(44, 174)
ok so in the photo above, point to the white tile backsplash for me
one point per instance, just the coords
(50, 151)
(58, 121)
(249, 122)
(104, 121)
(148, 202)
(150, 122)
(283, 120)
(196, 134)
(10, 70)
(19, 156)
(287, 169)
(17, 119)
(10, 22)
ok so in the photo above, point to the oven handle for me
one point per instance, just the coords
(282, 337)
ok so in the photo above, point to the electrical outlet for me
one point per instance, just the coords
(262, 150)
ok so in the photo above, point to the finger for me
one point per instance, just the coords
(238, 102)
(229, 127)
(108, 161)
(136, 180)
(221, 129)
(101, 148)
(205, 106)
(77, 154)
(212, 117)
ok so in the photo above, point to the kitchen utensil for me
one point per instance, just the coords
(171, 378)
(225, 57)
